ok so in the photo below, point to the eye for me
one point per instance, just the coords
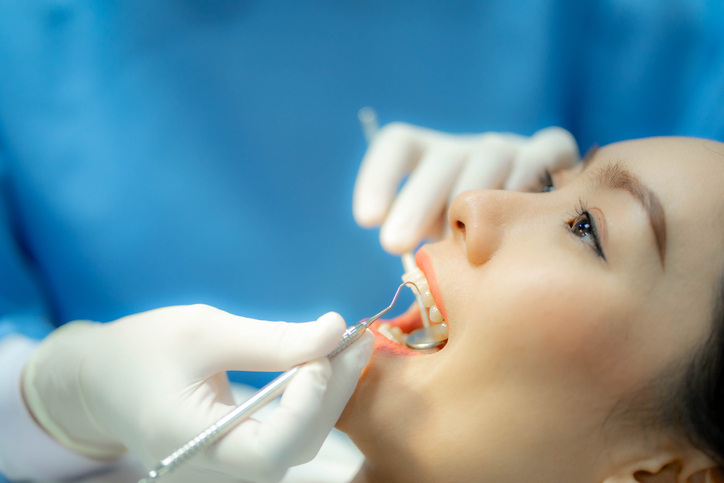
(581, 225)
(584, 227)
(546, 182)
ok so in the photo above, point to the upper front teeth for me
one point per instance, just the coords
(435, 315)
(416, 276)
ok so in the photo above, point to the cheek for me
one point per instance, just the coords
(553, 320)
(585, 327)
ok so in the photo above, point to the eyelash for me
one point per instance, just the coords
(582, 216)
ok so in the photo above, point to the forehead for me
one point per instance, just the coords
(677, 154)
(685, 173)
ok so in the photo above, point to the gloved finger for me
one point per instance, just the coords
(393, 153)
(553, 148)
(438, 227)
(488, 166)
(261, 449)
(421, 201)
(226, 343)
(308, 410)
(346, 370)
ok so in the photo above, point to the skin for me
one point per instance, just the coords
(547, 337)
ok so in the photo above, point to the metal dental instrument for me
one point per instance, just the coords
(264, 396)
(427, 337)
(408, 263)
(370, 124)
(430, 335)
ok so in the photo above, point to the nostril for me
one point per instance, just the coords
(461, 226)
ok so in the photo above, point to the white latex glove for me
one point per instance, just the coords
(441, 166)
(151, 381)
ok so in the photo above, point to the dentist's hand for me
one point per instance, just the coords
(147, 383)
(440, 166)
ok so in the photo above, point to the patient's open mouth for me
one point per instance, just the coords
(399, 329)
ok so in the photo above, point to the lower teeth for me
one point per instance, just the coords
(395, 334)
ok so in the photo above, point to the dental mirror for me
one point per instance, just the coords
(427, 337)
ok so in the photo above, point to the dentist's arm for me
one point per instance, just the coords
(439, 166)
(149, 382)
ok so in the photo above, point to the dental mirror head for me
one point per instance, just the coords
(427, 337)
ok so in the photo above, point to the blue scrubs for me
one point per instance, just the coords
(179, 151)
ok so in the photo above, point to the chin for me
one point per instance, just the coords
(390, 396)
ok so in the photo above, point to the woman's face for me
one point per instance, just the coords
(559, 305)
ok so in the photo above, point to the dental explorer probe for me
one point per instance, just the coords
(264, 396)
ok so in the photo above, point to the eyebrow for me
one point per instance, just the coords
(616, 177)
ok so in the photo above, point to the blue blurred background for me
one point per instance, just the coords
(158, 152)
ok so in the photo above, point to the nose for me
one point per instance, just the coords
(479, 221)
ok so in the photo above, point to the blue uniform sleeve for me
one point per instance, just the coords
(23, 309)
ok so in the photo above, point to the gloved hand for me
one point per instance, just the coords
(150, 382)
(440, 166)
